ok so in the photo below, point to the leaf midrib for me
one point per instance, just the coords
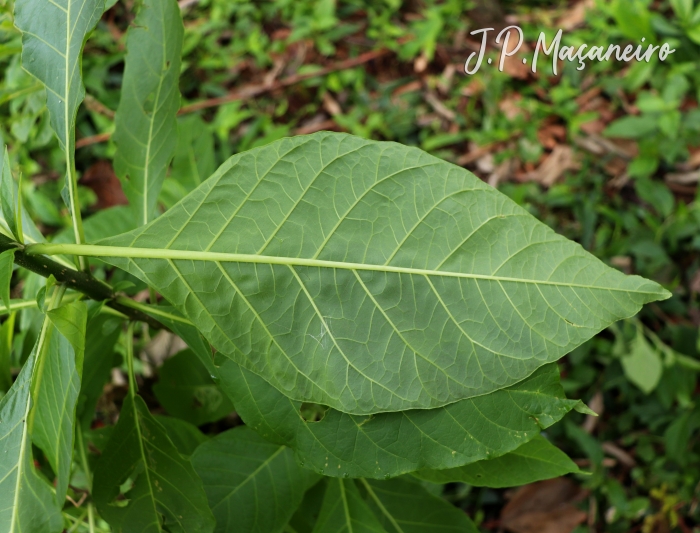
(91, 250)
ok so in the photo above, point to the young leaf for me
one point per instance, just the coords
(7, 259)
(166, 493)
(53, 35)
(145, 123)
(533, 461)
(186, 390)
(390, 444)
(27, 503)
(252, 485)
(55, 389)
(370, 276)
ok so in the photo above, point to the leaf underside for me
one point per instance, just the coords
(390, 444)
(145, 123)
(533, 461)
(376, 277)
(395, 506)
(53, 35)
(252, 485)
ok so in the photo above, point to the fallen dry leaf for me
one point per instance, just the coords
(439, 107)
(510, 107)
(695, 284)
(597, 406)
(550, 135)
(683, 178)
(618, 453)
(575, 16)
(554, 166)
(501, 173)
(100, 177)
(545, 507)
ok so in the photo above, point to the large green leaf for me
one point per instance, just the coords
(252, 485)
(145, 123)
(27, 503)
(395, 506)
(53, 35)
(186, 390)
(55, 389)
(533, 461)
(370, 276)
(390, 444)
(165, 492)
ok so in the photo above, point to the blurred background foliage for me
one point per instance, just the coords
(608, 156)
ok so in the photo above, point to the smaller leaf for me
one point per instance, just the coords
(682, 8)
(252, 485)
(56, 386)
(631, 127)
(7, 259)
(165, 493)
(533, 461)
(642, 365)
(145, 123)
(390, 444)
(344, 511)
(102, 334)
(403, 506)
(186, 390)
(193, 162)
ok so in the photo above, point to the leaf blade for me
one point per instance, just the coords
(390, 444)
(56, 388)
(27, 504)
(53, 35)
(459, 277)
(535, 460)
(166, 492)
(145, 122)
(236, 466)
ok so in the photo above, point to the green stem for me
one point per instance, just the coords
(17, 305)
(133, 388)
(88, 475)
(151, 310)
(91, 517)
(74, 279)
